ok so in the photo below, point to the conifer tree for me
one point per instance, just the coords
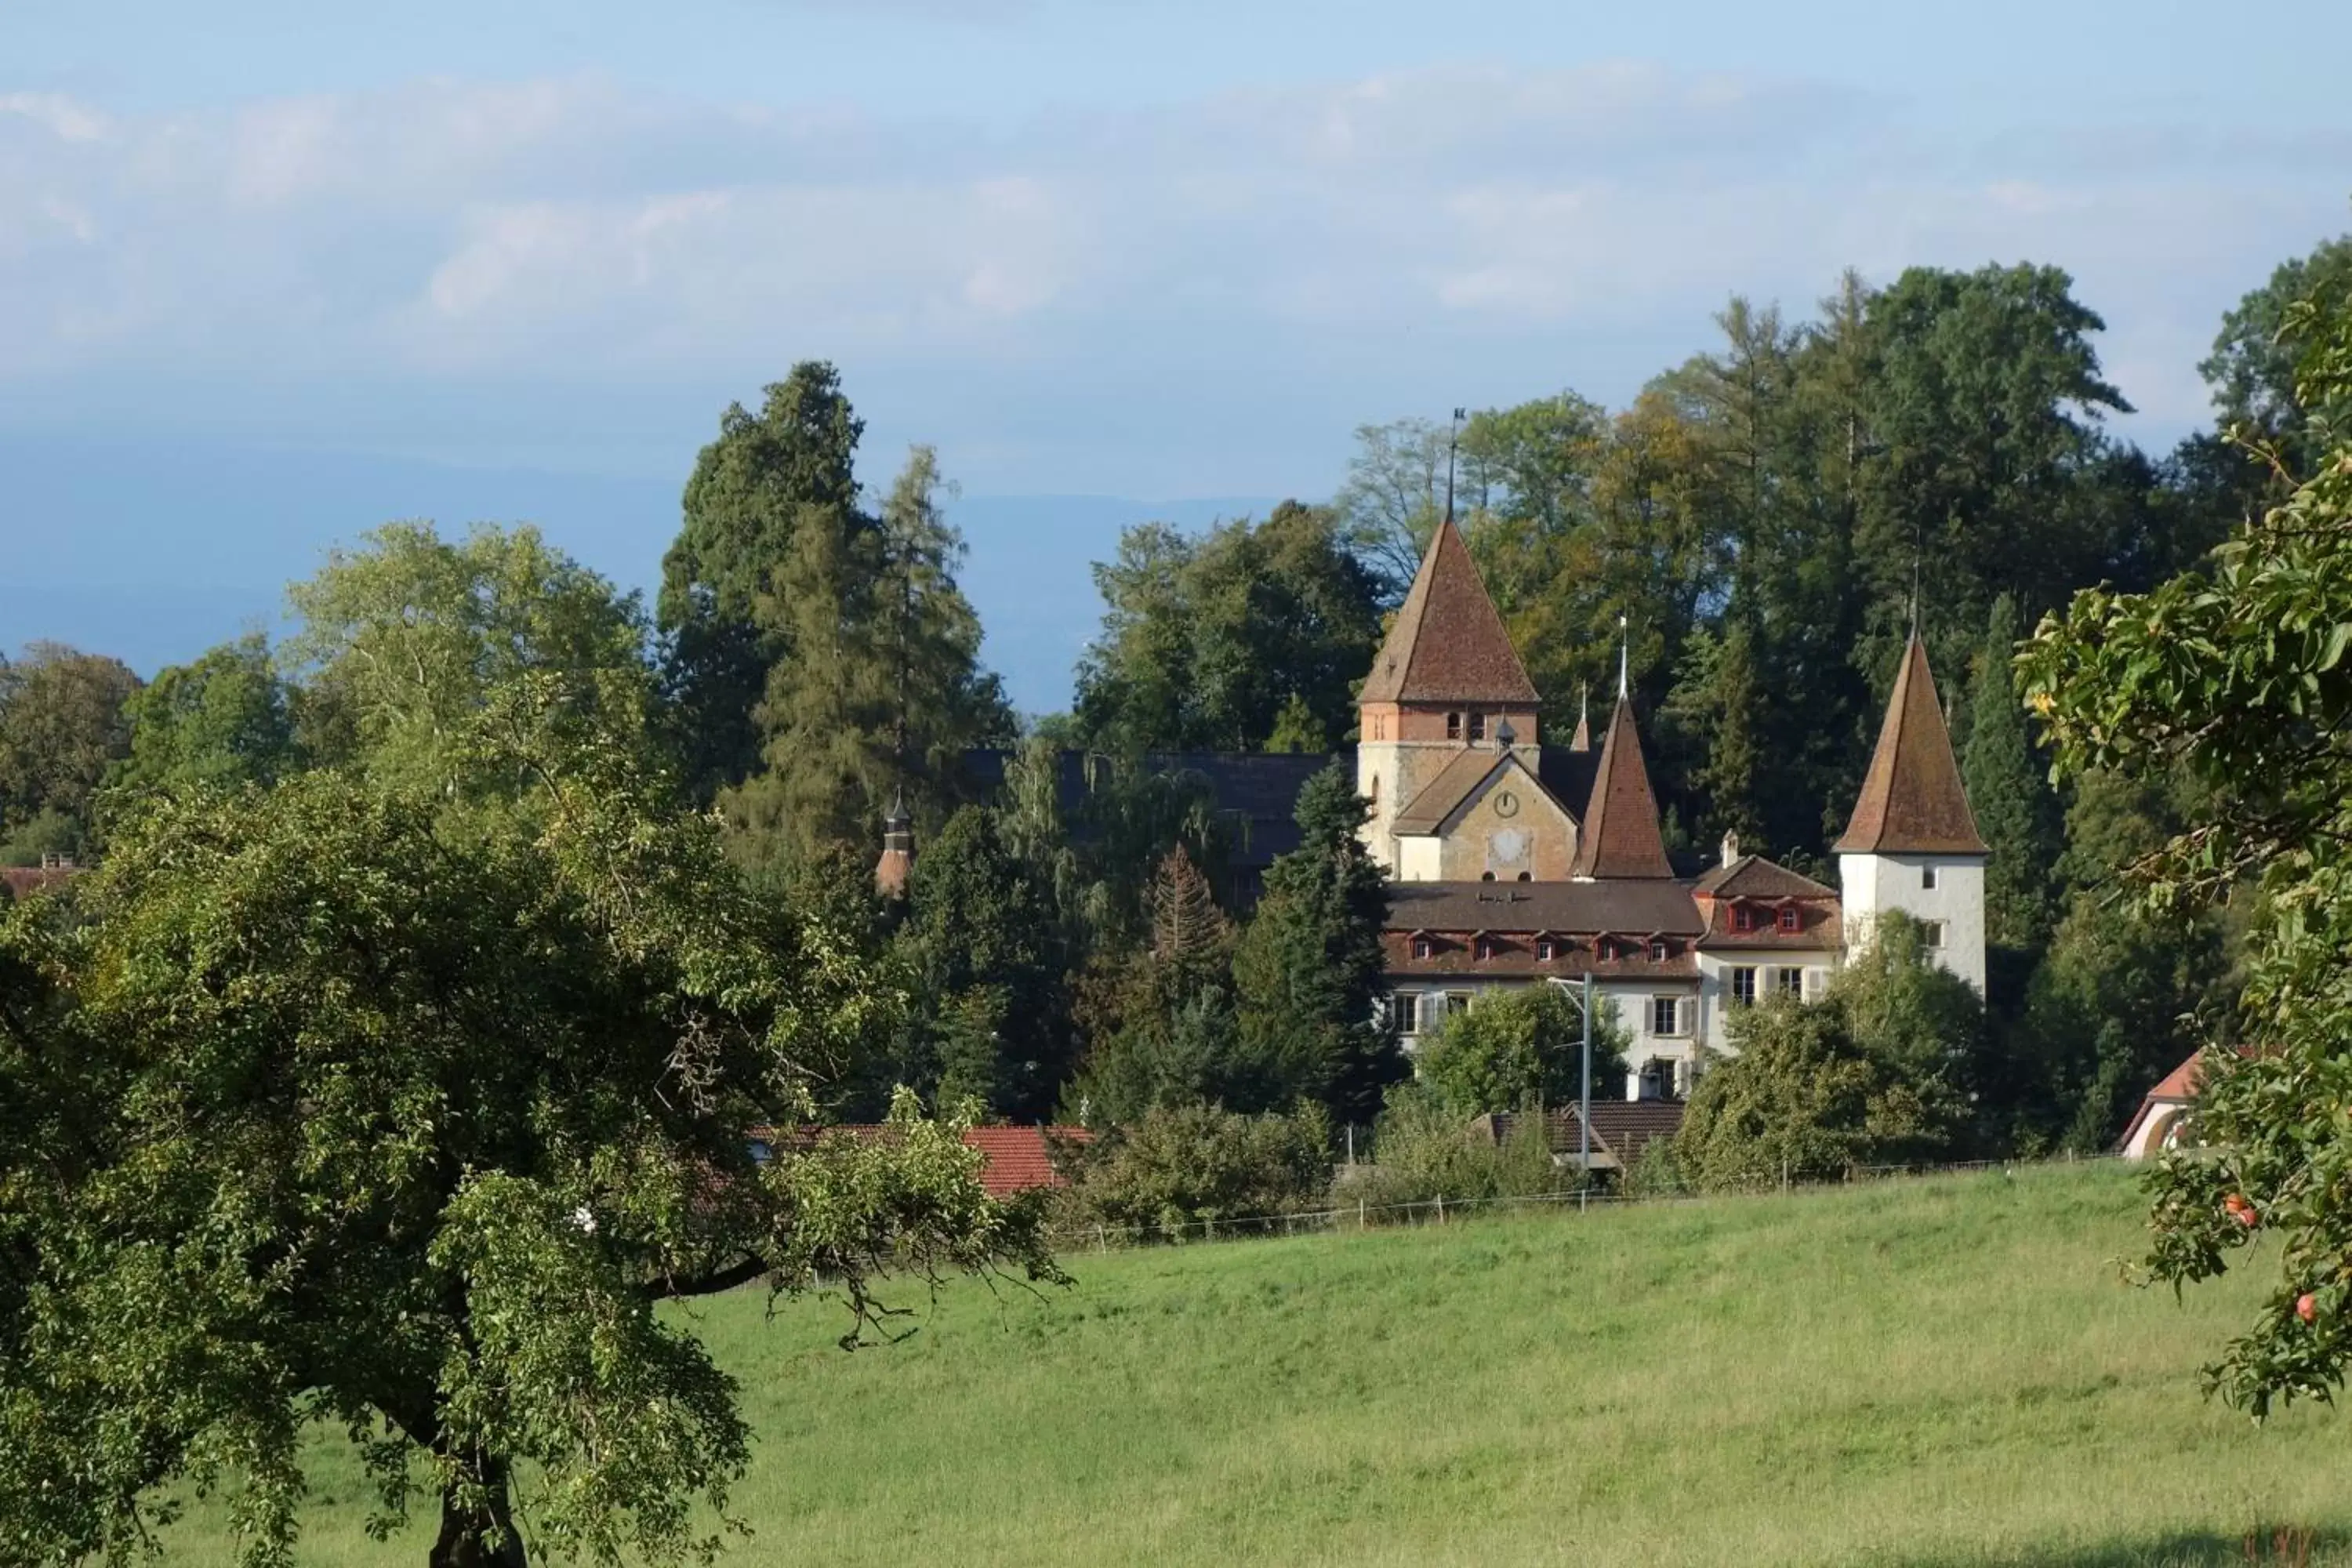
(2015, 811)
(1308, 971)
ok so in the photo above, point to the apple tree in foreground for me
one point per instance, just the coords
(328, 1101)
(2241, 676)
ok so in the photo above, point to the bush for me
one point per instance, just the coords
(1423, 1150)
(1182, 1164)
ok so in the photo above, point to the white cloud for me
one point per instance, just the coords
(573, 232)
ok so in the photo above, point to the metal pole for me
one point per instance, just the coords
(1584, 1098)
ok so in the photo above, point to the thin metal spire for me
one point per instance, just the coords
(1452, 440)
(1624, 657)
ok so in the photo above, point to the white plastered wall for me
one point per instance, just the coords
(1876, 883)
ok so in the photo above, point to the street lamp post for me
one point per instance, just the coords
(1582, 997)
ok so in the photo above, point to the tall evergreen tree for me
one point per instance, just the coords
(743, 506)
(2008, 789)
(1307, 970)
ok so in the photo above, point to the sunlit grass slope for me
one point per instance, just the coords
(1941, 1371)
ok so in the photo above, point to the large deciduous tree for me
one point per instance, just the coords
(2239, 677)
(225, 719)
(62, 727)
(1251, 638)
(328, 1102)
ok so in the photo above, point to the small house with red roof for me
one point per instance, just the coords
(2160, 1121)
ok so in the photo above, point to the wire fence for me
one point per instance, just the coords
(1363, 1215)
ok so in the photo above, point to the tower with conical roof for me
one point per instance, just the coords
(1445, 682)
(1912, 844)
(898, 860)
(1621, 837)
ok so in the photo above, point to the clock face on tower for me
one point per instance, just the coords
(1506, 803)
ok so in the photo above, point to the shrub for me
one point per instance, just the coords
(1516, 1047)
(1424, 1149)
(1178, 1166)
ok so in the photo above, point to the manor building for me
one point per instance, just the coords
(1513, 863)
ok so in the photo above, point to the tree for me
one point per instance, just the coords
(62, 726)
(2252, 373)
(316, 1110)
(406, 640)
(1308, 970)
(743, 506)
(2009, 794)
(1393, 496)
(1160, 1024)
(1176, 1166)
(1520, 1046)
(1252, 638)
(1883, 1069)
(981, 939)
(2236, 677)
(224, 720)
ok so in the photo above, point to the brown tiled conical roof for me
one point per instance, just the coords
(1620, 821)
(1448, 644)
(1911, 802)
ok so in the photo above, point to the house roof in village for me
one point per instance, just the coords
(1456, 782)
(1014, 1159)
(1620, 838)
(1912, 801)
(1635, 908)
(1754, 877)
(1448, 644)
(1621, 1128)
(23, 881)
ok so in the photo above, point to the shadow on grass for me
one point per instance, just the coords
(2274, 1546)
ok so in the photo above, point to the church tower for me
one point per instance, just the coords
(1913, 844)
(1446, 682)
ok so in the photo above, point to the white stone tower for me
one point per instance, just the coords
(1913, 844)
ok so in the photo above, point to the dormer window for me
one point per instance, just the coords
(1743, 919)
(1423, 947)
(1789, 920)
(1605, 950)
(1659, 950)
(1485, 948)
(1546, 949)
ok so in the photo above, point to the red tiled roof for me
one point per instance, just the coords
(23, 881)
(1015, 1159)
(1621, 836)
(1448, 644)
(1912, 801)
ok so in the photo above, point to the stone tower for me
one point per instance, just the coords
(1913, 843)
(1445, 682)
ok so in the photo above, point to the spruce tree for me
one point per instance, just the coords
(1309, 969)
(2015, 810)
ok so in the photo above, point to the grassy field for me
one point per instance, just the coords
(1935, 1372)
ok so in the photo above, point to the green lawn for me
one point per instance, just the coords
(1931, 1373)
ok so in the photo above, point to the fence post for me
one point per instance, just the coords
(1359, 1214)
(1441, 1208)
(1102, 1242)
(1784, 1173)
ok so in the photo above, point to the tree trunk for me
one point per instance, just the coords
(464, 1532)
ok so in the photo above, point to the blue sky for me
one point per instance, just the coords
(270, 272)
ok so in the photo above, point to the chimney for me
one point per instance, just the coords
(1730, 847)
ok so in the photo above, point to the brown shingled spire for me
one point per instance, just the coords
(1621, 820)
(1582, 740)
(1912, 801)
(1448, 644)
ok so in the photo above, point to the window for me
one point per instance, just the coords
(1546, 949)
(1477, 726)
(1405, 1008)
(1525, 877)
(1485, 948)
(1453, 726)
(1660, 950)
(1423, 947)
(1666, 1016)
(1743, 987)
(1789, 917)
(1605, 950)
(1789, 981)
(1928, 878)
(1485, 876)
(1934, 936)
(1457, 1001)
(1743, 919)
